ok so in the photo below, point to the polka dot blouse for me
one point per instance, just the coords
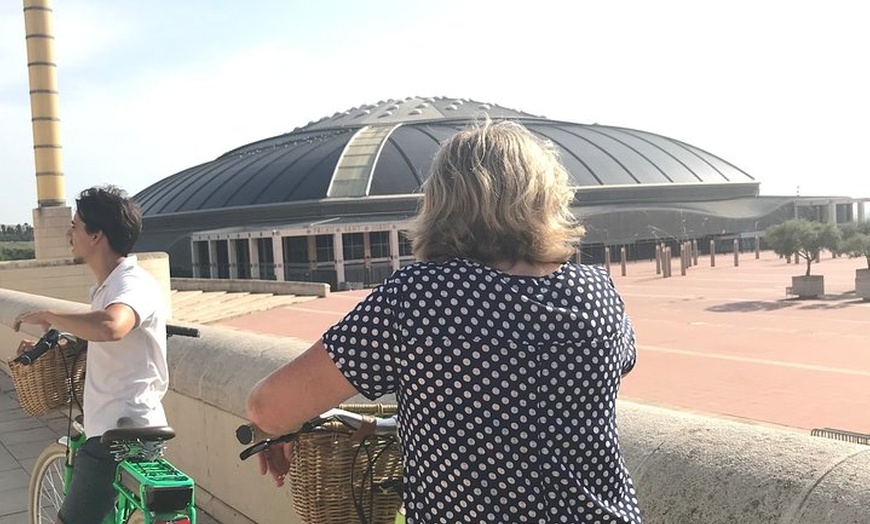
(506, 388)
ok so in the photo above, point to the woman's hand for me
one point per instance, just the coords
(276, 461)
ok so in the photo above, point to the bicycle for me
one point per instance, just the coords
(150, 490)
(329, 451)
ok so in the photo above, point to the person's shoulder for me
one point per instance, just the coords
(417, 270)
(137, 272)
(588, 275)
(587, 270)
(425, 273)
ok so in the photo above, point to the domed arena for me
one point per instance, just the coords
(328, 201)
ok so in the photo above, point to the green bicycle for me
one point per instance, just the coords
(149, 488)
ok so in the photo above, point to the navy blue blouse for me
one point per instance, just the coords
(506, 388)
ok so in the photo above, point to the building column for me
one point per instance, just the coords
(254, 256)
(367, 250)
(233, 258)
(312, 253)
(861, 215)
(194, 259)
(278, 256)
(338, 256)
(394, 249)
(212, 259)
(832, 212)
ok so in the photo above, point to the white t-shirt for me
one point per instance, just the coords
(128, 377)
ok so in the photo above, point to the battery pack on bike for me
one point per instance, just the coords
(158, 485)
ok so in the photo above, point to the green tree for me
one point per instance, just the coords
(16, 233)
(804, 238)
(856, 240)
(16, 251)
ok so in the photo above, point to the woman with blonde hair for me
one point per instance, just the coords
(505, 358)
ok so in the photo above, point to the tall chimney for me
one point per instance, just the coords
(52, 216)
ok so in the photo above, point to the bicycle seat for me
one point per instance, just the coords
(140, 433)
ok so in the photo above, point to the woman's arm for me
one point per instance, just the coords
(298, 391)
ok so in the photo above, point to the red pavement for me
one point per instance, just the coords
(722, 341)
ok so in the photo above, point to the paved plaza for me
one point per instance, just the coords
(721, 341)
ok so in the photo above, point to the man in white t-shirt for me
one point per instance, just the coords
(127, 373)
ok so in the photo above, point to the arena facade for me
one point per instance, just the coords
(329, 201)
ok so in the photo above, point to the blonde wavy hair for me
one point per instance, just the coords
(496, 192)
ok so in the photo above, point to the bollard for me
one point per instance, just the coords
(658, 259)
(622, 261)
(757, 247)
(607, 258)
(712, 253)
(668, 263)
(736, 253)
(684, 259)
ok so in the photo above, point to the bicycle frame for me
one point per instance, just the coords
(159, 491)
(150, 490)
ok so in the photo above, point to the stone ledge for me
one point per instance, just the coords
(274, 287)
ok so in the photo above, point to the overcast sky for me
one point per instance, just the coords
(779, 89)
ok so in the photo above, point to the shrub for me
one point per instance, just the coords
(803, 238)
(856, 240)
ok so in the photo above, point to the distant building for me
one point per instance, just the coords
(328, 201)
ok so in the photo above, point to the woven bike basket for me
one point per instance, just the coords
(45, 384)
(321, 482)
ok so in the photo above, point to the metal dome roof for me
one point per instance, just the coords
(385, 149)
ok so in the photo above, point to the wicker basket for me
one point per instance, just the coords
(45, 384)
(320, 472)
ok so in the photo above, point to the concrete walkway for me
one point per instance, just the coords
(22, 439)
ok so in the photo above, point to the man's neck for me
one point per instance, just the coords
(103, 265)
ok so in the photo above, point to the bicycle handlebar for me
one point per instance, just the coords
(182, 331)
(247, 433)
(51, 337)
(46, 342)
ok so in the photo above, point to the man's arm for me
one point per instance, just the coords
(106, 325)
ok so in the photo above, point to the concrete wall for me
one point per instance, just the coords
(687, 468)
(316, 289)
(64, 279)
(693, 469)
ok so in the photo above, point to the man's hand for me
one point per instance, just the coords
(40, 318)
(276, 461)
(25, 345)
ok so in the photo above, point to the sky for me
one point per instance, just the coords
(148, 89)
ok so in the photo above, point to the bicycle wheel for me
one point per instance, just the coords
(45, 493)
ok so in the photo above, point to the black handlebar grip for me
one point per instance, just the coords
(182, 331)
(247, 433)
(48, 341)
